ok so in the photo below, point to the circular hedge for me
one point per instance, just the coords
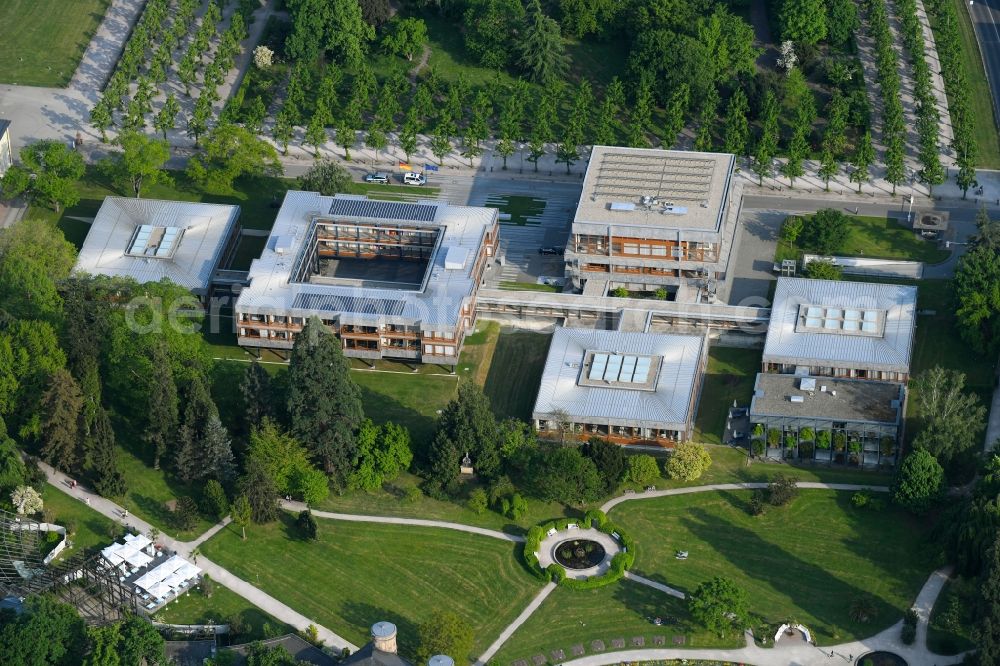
(596, 519)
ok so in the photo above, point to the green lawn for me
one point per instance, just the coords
(409, 399)
(88, 529)
(520, 208)
(43, 40)
(516, 370)
(624, 610)
(74, 230)
(358, 574)
(805, 562)
(979, 89)
(730, 376)
(195, 608)
(248, 249)
(876, 237)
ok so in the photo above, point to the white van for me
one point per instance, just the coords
(413, 178)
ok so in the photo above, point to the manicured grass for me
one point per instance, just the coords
(75, 231)
(520, 208)
(258, 198)
(805, 562)
(408, 399)
(729, 465)
(986, 136)
(150, 489)
(88, 529)
(43, 40)
(941, 639)
(730, 376)
(876, 237)
(357, 574)
(512, 382)
(195, 608)
(530, 286)
(623, 610)
(395, 191)
(477, 354)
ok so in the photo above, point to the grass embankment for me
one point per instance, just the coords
(730, 376)
(875, 238)
(220, 608)
(576, 618)
(357, 574)
(516, 370)
(44, 40)
(807, 562)
(88, 529)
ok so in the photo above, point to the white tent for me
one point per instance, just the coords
(160, 590)
(139, 559)
(139, 541)
(189, 571)
(174, 580)
(112, 555)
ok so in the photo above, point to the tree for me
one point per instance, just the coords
(166, 118)
(676, 111)
(336, 26)
(488, 26)
(109, 479)
(283, 131)
(828, 167)
(197, 122)
(186, 513)
(383, 453)
(720, 605)
(567, 152)
(952, 419)
(825, 231)
(103, 646)
(26, 500)
(688, 461)
(199, 410)
(101, 118)
(798, 149)
(895, 153)
(642, 469)
(230, 152)
(48, 632)
(466, 425)
(976, 281)
(215, 499)
(241, 513)
(255, 388)
(986, 630)
(842, 22)
(376, 139)
(541, 51)
(562, 474)
(324, 403)
(583, 17)
(609, 459)
(967, 153)
(257, 486)
(767, 143)
(821, 269)
(141, 161)
(404, 37)
(161, 412)
(141, 643)
(864, 156)
(444, 632)
(408, 135)
(802, 21)
(919, 483)
(307, 525)
(61, 405)
(781, 490)
(47, 175)
(315, 135)
(737, 129)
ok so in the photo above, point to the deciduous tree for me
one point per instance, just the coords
(444, 632)
(231, 152)
(919, 482)
(47, 175)
(720, 606)
(688, 461)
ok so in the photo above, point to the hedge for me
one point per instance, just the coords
(596, 518)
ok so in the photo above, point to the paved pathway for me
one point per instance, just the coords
(810, 485)
(249, 592)
(513, 626)
(418, 522)
(547, 550)
(666, 589)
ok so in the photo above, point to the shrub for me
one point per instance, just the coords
(758, 430)
(825, 232)
(619, 292)
(477, 501)
(908, 634)
(910, 618)
(757, 503)
(642, 469)
(839, 441)
(807, 434)
(595, 518)
(886, 445)
(688, 461)
(518, 507)
(556, 573)
(781, 490)
(413, 495)
(861, 499)
(823, 439)
(790, 441)
(307, 525)
(773, 437)
(757, 447)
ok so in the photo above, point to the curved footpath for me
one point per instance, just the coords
(814, 485)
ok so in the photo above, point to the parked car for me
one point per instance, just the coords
(414, 178)
(551, 250)
(378, 177)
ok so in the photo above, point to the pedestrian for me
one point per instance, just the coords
(87, 500)
(126, 513)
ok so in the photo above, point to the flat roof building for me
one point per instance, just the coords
(6, 153)
(626, 387)
(828, 419)
(393, 280)
(650, 219)
(841, 329)
(151, 240)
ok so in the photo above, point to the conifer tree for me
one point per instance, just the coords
(61, 405)
(109, 480)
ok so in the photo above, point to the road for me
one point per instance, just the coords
(985, 16)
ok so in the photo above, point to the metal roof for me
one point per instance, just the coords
(665, 406)
(198, 233)
(789, 343)
(436, 306)
(382, 210)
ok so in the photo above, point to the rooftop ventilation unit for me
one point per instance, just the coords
(621, 206)
(797, 398)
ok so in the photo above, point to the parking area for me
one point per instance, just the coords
(536, 215)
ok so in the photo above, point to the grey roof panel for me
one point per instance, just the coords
(383, 210)
(356, 304)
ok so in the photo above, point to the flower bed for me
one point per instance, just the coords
(596, 519)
